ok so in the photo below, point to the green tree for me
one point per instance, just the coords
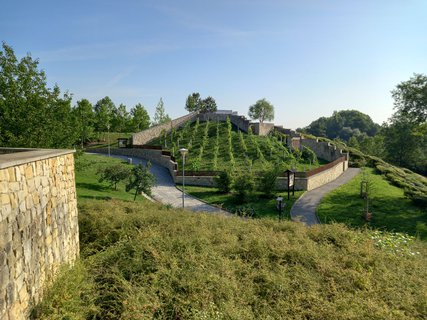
(140, 118)
(262, 110)
(120, 119)
(410, 99)
(31, 113)
(224, 181)
(267, 181)
(343, 124)
(114, 174)
(243, 185)
(85, 115)
(160, 115)
(104, 109)
(141, 180)
(195, 104)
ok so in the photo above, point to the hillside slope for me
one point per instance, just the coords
(147, 262)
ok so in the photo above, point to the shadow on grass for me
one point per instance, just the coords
(97, 198)
(92, 186)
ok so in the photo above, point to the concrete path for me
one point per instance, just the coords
(304, 209)
(166, 192)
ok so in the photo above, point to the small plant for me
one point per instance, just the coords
(224, 181)
(267, 181)
(366, 190)
(114, 174)
(243, 186)
(142, 180)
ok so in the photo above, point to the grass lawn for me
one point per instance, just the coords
(263, 207)
(391, 211)
(88, 186)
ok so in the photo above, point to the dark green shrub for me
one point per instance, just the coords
(223, 182)
(243, 186)
(266, 182)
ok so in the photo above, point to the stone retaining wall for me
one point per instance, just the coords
(145, 136)
(38, 225)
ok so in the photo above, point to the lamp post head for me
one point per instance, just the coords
(183, 151)
(279, 199)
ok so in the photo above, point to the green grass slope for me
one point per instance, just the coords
(391, 210)
(216, 146)
(142, 261)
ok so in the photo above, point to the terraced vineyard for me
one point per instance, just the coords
(220, 146)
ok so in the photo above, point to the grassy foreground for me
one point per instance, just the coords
(142, 261)
(391, 210)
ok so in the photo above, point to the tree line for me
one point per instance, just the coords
(34, 115)
(402, 140)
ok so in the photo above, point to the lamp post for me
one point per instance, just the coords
(183, 153)
(279, 206)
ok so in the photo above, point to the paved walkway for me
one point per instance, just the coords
(304, 209)
(166, 192)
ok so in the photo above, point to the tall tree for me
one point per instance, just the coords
(262, 110)
(140, 118)
(410, 99)
(160, 115)
(208, 105)
(85, 115)
(104, 109)
(120, 119)
(31, 113)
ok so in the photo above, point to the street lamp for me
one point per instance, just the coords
(183, 153)
(280, 206)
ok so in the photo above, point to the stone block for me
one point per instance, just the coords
(4, 199)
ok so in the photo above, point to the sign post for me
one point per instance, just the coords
(291, 182)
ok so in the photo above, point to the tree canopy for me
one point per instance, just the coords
(195, 104)
(262, 110)
(410, 99)
(31, 113)
(343, 124)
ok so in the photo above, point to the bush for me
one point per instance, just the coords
(243, 185)
(223, 182)
(267, 181)
(309, 155)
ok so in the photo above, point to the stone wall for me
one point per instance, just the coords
(154, 156)
(327, 175)
(323, 150)
(38, 225)
(145, 136)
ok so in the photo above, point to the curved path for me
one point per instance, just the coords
(304, 209)
(165, 191)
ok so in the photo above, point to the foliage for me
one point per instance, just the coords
(309, 155)
(114, 174)
(142, 180)
(86, 120)
(31, 113)
(243, 185)
(261, 110)
(103, 114)
(266, 182)
(146, 262)
(343, 124)
(160, 115)
(140, 118)
(224, 181)
(410, 99)
(195, 104)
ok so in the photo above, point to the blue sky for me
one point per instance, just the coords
(308, 58)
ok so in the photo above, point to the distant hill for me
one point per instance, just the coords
(343, 125)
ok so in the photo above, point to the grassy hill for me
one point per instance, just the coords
(143, 261)
(219, 146)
